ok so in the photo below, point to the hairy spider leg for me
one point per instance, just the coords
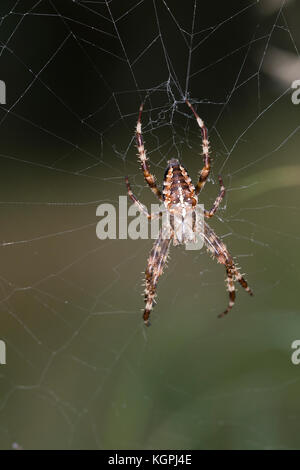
(150, 179)
(204, 173)
(219, 251)
(156, 263)
(141, 206)
(217, 202)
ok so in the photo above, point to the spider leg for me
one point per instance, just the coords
(139, 204)
(231, 290)
(221, 253)
(156, 263)
(217, 202)
(150, 179)
(204, 173)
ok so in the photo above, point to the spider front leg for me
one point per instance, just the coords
(221, 253)
(204, 173)
(156, 262)
(150, 179)
(217, 202)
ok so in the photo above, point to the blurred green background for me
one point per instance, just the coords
(82, 371)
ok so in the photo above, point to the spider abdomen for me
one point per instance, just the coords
(180, 201)
(178, 190)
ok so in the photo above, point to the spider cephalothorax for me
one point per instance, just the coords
(180, 197)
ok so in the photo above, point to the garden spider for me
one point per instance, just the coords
(180, 196)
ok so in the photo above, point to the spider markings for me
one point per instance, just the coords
(180, 199)
(178, 187)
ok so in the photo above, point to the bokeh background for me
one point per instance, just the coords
(82, 372)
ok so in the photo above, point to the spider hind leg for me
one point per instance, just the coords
(156, 263)
(219, 251)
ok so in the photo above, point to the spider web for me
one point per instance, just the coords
(82, 371)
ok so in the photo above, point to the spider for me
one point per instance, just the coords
(180, 197)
